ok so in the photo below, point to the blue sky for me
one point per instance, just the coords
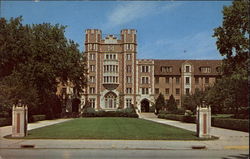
(166, 29)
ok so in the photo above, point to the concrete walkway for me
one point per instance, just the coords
(230, 139)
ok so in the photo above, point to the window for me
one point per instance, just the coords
(166, 68)
(110, 56)
(187, 90)
(187, 80)
(92, 90)
(110, 68)
(206, 80)
(167, 79)
(92, 57)
(144, 68)
(92, 102)
(128, 102)
(144, 91)
(177, 91)
(167, 90)
(187, 68)
(92, 68)
(110, 79)
(110, 100)
(196, 80)
(156, 90)
(177, 80)
(156, 79)
(129, 79)
(144, 80)
(92, 79)
(128, 56)
(177, 101)
(128, 90)
(205, 69)
(128, 68)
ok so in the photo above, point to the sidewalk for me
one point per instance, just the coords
(237, 140)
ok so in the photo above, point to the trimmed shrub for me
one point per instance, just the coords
(38, 117)
(235, 124)
(189, 119)
(5, 121)
(91, 112)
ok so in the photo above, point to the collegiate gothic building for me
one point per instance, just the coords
(117, 79)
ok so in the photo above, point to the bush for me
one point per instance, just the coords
(235, 124)
(4, 114)
(38, 117)
(152, 109)
(5, 121)
(91, 112)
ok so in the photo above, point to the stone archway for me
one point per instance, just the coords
(75, 105)
(145, 105)
(110, 100)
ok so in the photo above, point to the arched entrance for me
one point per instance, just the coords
(110, 100)
(144, 105)
(75, 105)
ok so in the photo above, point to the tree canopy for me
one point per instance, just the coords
(33, 60)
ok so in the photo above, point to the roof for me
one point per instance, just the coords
(196, 64)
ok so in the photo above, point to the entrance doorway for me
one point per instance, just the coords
(144, 105)
(75, 105)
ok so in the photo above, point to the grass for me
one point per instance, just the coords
(111, 128)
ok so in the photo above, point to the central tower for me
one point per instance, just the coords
(112, 69)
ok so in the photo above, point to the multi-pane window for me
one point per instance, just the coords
(92, 68)
(92, 56)
(167, 91)
(177, 101)
(156, 79)
(110, 79)
(144, 68)
(187, 80)
(92, 90)
(129, 79)
(144, 80)
(166, 69)
(205, 69)
(196, 80)
(144, 90)
(128, 102)
(156, 90)
(177, 91)
(187, 68)
(110, 57)
(167, 79)
(128, 90)
(128, 68)
(110, 68)
(128, 56)
(187, 90)
(206, 80)
(177, 80)
(92, 79)
(92, 102)
(128, 46)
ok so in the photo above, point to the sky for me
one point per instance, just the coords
(165, 29)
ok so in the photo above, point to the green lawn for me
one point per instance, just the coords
(111, 128)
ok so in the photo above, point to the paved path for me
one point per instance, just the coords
(228, 139)
(237, 140)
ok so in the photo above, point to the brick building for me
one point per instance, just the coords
(117, 79)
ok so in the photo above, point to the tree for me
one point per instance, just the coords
(160, 103)
(38, 56)
(171, 104)
(191, 101)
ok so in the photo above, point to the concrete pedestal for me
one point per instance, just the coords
(19, 120)
(203, 122)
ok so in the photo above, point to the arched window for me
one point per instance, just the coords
(110, 100)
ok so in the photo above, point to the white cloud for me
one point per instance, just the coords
(130, 11)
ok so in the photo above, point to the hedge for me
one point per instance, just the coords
(228, 123)
(5, 121)
(36, 118)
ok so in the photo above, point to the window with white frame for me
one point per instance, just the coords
(110, 79)
(128, 102)
(92, 102)
(129, 79)
(128, 68)
(187, 80)
(92, 90)
(128, 56)
(144, 68)
(187, 68)
(144, 90)
(92, 56)
(92, 68)
(92, 79)
(144, 80)
(110, 68)
(128, 90)
(110, 56)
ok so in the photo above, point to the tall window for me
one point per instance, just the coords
(110, 100)
(128, 57)
(92, 90)
(110, 68)
(110, 56)
(177, 80)
(128, 102)
(187, 68)
(92, 102)
(177, 101)
(129, 79)
(187, 90)
(144, 68)
(92, 57)
(187, 80)
(128, 90)
(144, 80)
(128, 68)
(167, 90)
(110, 79)
(92, 68)
(144, 90)
(177, 91)
(92, 79)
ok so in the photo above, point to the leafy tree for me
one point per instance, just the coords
(38, 56)
(160, 103)
(171, 104)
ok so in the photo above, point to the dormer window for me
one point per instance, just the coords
(218, 69)
(187, 68)
(205, 69)
(166, 68)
